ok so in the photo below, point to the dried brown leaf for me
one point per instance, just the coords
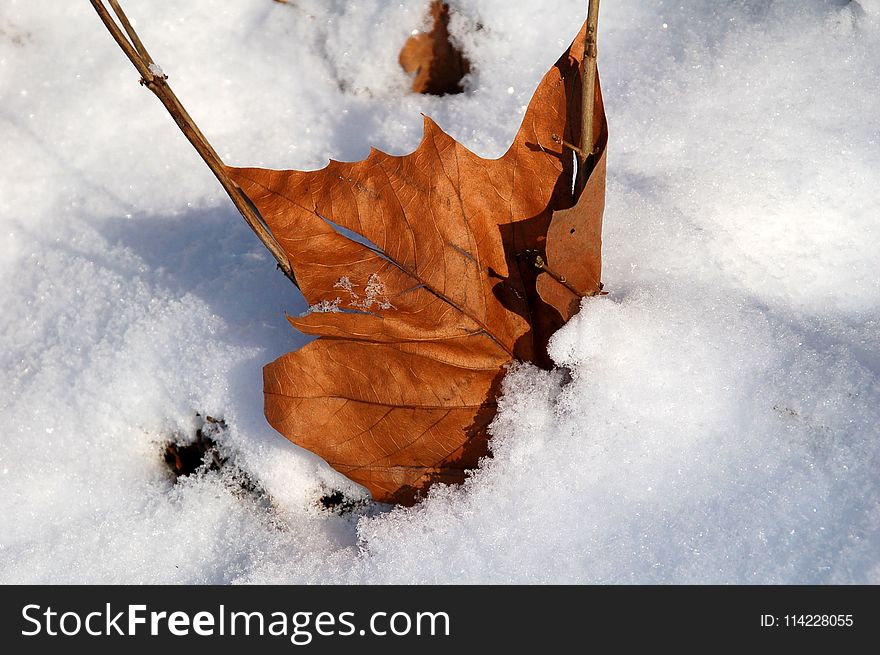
(419, 317)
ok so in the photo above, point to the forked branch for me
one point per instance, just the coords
(156, 81)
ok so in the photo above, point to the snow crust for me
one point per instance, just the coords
(714, 419)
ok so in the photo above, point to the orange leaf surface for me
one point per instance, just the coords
(419, 315)
(574, 238)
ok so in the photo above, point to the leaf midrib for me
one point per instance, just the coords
(485, 329)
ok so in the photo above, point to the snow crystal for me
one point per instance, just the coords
(156, 70)
(323, 307)
(716, 418)
(345, 284)
(871, 7)
(374, 293)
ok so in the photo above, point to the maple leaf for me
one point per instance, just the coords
(421, 309)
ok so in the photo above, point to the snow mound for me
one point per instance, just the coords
(715, 419)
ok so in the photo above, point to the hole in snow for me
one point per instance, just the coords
(202, 453)
(337, 502)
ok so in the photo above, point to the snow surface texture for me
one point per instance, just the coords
(721, 422)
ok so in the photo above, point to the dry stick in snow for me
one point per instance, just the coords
(588, 86)
(153, 78)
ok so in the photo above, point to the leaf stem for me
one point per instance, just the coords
(588, 88)
(155, 81)
(542, 265)
(574, 148)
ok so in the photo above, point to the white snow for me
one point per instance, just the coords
(722, 419)
(324, 307)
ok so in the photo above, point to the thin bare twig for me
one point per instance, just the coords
(588, 87)
(565, 144)
(542, 265)
(583, 153)
(155, 81)
(135, 39)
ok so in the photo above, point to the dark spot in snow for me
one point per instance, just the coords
(338, 502)
(202, 454)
